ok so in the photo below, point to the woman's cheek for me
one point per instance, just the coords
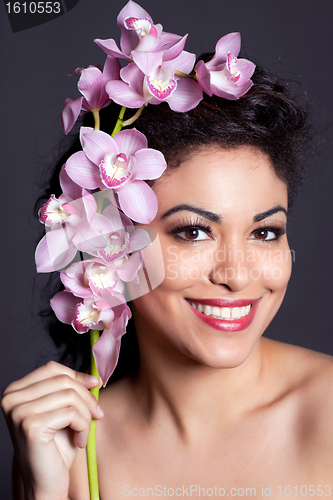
(275, 269)
(184, 267)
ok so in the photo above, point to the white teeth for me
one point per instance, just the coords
(229, 313)
(207, 310)
(235, 313)
(226, 312)
(216, 311)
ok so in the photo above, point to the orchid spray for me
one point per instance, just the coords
(90, 235)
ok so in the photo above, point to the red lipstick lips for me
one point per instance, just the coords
(233, 325)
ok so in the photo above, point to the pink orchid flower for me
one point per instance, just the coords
(100, 315)
(99, 276)
(161, 84)
(120, 163)
(123, 245)
(92, 87)
(225, 75)
(141, 41)
(73, 225)
(92, 277)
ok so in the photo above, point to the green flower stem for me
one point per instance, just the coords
(134, 117)
(91, 444)
(95, 113)
(185, 75)
(119, 124)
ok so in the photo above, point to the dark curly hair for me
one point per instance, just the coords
(267, 118)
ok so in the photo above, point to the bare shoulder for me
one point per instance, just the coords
(303, 367)
(307, 379)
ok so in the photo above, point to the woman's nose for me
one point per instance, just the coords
(232, 267)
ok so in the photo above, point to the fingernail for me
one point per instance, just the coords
(91, 379)
(100, 411)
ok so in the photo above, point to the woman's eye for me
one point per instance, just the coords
(193, 234)
(265, 235)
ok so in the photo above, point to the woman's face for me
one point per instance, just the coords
(221, 222)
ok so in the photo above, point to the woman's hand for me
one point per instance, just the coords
(48, 413)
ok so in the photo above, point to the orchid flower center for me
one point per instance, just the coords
(114, 172)
(52, 212)
(86, 315)
(115, 246)
(142, 27)
(101, 277)
(231, 63)
(161, 84)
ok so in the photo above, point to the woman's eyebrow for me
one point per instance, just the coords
(190, 208)
(217, 218)
(269, 212)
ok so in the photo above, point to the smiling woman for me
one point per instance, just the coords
(213, 406)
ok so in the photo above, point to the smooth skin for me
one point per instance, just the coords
(207, 407)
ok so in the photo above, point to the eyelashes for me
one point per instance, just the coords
(195, 231)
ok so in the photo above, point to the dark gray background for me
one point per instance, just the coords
(291, 37)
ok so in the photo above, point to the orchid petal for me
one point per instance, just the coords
(139, 239)
(122, 94)
(132, 75)
(131, 9)
(90, 86)
(106, 224)
(128, 271)
(228, 43)
(90, 206)
(111, 70)
(167, 40)
(54, 250)
(147, 62)
(83, 172)
(203, 77)
(64, 305)
(130, 141)
(245, 69)
(111, 49)
(87, 239)
(187, 95)
(106, 349)
(106, 316)
(68, 186)
(184, 62)
(106, 352)
(223, 87)
(70, 113)
(75, 284)
(175, 50)
(96, 144)
(138, 201)
(150, 164)
(147, 43)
